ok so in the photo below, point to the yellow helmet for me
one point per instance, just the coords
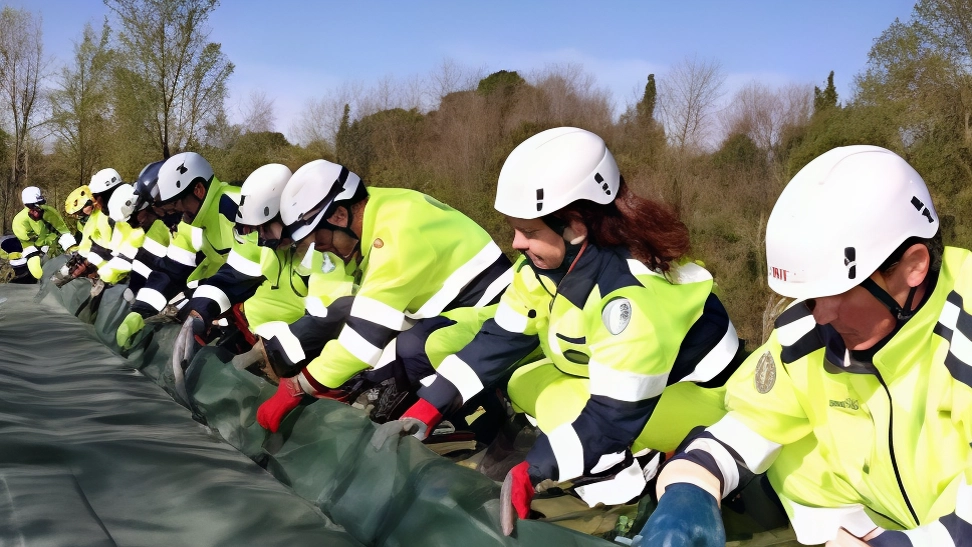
(77, 200)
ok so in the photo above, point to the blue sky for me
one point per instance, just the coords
(298, 50)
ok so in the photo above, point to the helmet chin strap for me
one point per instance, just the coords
(901, 313)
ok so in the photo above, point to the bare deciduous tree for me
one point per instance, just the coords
(761, 112)
(80, 104)
(22, 67)
(688, 93)
(258, 113)
(176, 78)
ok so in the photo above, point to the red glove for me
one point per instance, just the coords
(424, 412)
(522, 490)
(272, 411)
(516, 495)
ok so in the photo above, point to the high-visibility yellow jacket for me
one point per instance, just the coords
(610, 319)
(854, 441)
(196, 250)
(36, 236)
(419, 258)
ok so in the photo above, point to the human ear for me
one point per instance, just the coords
(575, 232)
(339, 217)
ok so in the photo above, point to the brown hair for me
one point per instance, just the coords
(650, 230)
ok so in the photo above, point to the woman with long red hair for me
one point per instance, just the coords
(636, 345)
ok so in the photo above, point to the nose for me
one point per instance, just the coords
(825, 309)
(520, 241)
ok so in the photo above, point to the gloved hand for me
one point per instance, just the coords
(516, 494)
(34, 265)
(686, 516)
(199, 326)
(418, 421)
(272, 411)
(131, 326)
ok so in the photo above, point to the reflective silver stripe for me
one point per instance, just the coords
(638, 268)
(949, 316)
(141, 269)
(963, 502)
(757, 451)
(960, 345)
(619, 489)
(281, 331)
(716, 360)
(789, 334)
(315, 306)
(182, 256)
(197, 238)
(931, 534)
(509, 319)
(496, 287)
(66, 240)
(723, 459)
(214, 294)
(389, 354)
(378, 312)
(244, 265)
(427, 381)
(818, 525)
(568, 451)
(624, 385)
(152, 297)
(362, 349)
(454, 284)
(154, 247)
(607, 461)
(461, 375)
(95, 258)
(30, 250)
(192, 284)
(690, 272)
(18, 261)
(115, 265)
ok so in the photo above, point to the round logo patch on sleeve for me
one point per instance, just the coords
(765, 374)
(617, 315)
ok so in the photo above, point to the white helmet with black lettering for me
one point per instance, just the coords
(180, 173)
(260, 194)
(553, 169)
(841, 217)
(121, 205)
(104, 180)
(313, 192)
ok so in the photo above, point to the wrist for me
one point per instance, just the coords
(425, 412)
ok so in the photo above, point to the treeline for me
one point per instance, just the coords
(124, 101)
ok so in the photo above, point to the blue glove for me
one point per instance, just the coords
(686, 516)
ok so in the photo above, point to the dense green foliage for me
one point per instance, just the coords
(914, 97)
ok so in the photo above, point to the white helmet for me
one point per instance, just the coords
(841, 217)
(32, 196)
(180, 172)
(121, 205)
(260, 194)
(553, 169)
(311, 193)
(104, 180)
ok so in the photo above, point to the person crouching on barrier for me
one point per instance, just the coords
(414, 258)
(262, 271)
(858, 406)
(629, 328)
(201, 210)
(39, 226)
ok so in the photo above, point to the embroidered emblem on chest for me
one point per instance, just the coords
(617, 315)
(765, 374)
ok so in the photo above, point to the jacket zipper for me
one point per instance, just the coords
(894, 462)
